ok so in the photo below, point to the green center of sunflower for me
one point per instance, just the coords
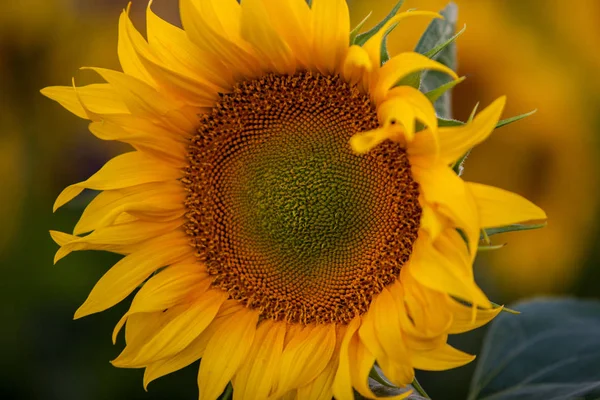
(283, 214)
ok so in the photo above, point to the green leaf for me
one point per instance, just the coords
(506, 309)
(435, 94)
(449, 122)
(384, 55)
(357, 29)
(363, 37)
(490, 247)
(551, 351)
(438, 39)
(514, 228)
(437, 49)
(514, 119)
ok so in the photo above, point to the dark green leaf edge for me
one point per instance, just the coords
(357, 29)
(514, 228)
(436, 93)
(362, 38)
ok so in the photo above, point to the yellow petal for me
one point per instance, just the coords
(178, 333)
(357, 66)
(195, 349)
(305, 356)
(190, 88)
(499, 207)
(204, 29)
(118, 236)
(129, 169)
(393, 362)
(166, 289)
(144, 100)
(126, 275)
(128, 48)
(292, 21)
(161, 146)
(421, 108)
(432, 221)
(442, 268)
(398, 67)
(225, 352)
(463, 316)
(254, 379)
(100, 98)
(454, 142)
(423, 328)
(331, 27)
(320, 388)
(257, 30)
(342, 383)
(173, 47)
(440, 359)
(363, 142)
(162, 202)
(447, 193)
(373, 45)
(222, 16)
(362, 362)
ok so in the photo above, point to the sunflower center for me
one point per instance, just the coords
(284, 215)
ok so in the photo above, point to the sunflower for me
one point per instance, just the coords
(288, 213)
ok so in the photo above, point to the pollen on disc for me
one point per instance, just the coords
(287, 219)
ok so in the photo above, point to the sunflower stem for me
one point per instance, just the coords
(420, 389)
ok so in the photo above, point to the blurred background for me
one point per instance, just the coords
(539, 54)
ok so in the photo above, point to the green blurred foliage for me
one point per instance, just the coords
(536, 52)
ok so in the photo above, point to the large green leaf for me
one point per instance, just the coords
(551, 351)
(438, 39)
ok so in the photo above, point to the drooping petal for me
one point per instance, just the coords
(454, 142)
(398, 67)
(447, 193)
(440, 359)
(362, 142)
(441, 267)
(463, 321)
(498, 207)
(225, 352)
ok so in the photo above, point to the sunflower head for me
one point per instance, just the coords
(289, 211)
